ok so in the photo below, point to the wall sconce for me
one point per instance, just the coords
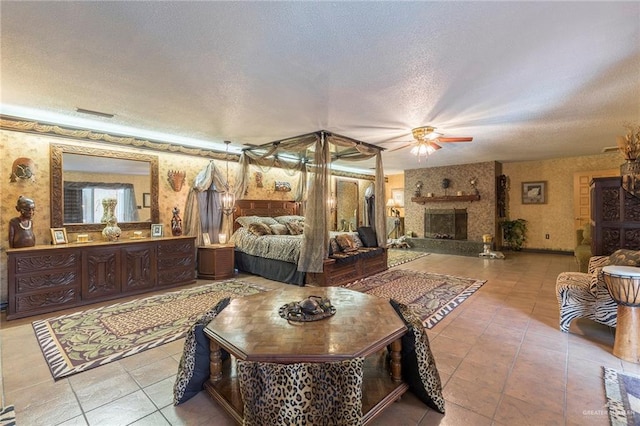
(176, 179)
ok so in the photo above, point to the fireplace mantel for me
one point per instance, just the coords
(449, 198)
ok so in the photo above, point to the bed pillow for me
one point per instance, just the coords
(279, 229)
(268, 220)
(356, 240)
(346, 243)
(333, 246)
(368, 236)
(245, 221)
(289, 218)
(295, 227)
(259, 229)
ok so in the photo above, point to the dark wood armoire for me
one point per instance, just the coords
(615, 217)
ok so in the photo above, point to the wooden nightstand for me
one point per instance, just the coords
(216, 261)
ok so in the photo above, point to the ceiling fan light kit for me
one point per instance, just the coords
(424, 149)
(426, 136)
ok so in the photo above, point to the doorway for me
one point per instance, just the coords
(582, 197)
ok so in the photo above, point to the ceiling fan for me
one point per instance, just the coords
(425, 141)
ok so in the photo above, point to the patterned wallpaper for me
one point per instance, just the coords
(554, 218)
(36, 147)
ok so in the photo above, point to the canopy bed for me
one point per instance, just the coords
(311, 157)
(268, 237)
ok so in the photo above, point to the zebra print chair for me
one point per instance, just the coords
(585, 295)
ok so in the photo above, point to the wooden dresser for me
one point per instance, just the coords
(50, 278)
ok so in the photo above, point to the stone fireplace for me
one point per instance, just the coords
(448, 224)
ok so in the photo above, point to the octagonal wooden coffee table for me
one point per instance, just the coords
(251, 329)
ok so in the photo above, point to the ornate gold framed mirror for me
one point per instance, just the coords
(82, 176)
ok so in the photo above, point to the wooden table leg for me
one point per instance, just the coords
(395, 362)
(215, 361)
(627, 342)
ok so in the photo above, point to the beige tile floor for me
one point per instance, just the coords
(500, 355)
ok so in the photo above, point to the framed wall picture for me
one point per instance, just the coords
(59, 236)
(534, 192)
(157, 230)
(398, 196)
(146, 199)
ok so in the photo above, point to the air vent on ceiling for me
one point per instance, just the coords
(91, 112)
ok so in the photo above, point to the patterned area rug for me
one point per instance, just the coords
(432, 296)
(397, 257)
(623, 397)
(83, 340)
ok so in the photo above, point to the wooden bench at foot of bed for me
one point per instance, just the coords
(336, 273)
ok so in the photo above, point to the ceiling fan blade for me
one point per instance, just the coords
(435, 146)
(447, 139)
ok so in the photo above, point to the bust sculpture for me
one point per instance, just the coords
(21, 228)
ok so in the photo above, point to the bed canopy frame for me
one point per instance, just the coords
(311, 154)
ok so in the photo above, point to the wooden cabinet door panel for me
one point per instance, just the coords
(139, 270)
(101, 273)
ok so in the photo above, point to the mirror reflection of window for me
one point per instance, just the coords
(83, 202)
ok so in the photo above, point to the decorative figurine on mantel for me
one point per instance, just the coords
(418, 191)
(176, 223)
(21, 228)
(474, 183)
(445, 184)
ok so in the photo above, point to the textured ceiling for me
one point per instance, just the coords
(527, 80)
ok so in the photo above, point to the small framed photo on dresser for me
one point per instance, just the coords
(157, 230)
(59, 236)
(206, 239)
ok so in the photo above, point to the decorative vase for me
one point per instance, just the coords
(111, 231)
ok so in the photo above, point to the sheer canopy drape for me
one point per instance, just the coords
(203, 211)
(312, 154)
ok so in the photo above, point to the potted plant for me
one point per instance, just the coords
(514, 233)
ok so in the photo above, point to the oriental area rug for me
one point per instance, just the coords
(397, 257)
(83, 340)
(431, 296)
(623, 397)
